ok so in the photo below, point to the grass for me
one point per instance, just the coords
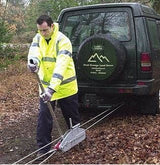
(4, 62)
(10, 56)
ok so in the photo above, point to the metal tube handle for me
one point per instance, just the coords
(50, 107)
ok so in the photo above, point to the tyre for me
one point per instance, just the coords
(101, 57)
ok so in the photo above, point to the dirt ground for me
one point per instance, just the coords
(125, 137)
(18, 113)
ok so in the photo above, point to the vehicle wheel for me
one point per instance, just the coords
(150, 104)
(101, 57)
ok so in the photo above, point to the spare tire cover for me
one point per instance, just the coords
(101, 57)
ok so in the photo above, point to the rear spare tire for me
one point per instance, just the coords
(101, 57)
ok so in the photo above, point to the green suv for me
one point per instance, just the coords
(116, 49)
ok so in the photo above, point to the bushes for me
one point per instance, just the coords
(9, 52)
(5, 33)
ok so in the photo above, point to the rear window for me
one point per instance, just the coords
(79, 27)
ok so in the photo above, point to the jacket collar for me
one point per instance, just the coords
(55, 30)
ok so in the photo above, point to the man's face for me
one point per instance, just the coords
(45, 30)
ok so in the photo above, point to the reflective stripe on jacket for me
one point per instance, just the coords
(56, 66)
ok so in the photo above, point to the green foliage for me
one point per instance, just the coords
(5, 34)
(5, 37)
(9, 55)
(4, 62)
(52, 8)
(23, 17)
(156, 5)
(7, 51)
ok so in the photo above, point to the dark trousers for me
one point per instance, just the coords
(69, 107)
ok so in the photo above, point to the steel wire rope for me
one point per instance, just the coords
(48, 157)
(94, 117)
(104, 117)
(36, 151)
(100, 115)
(31, 161)
(110, 112)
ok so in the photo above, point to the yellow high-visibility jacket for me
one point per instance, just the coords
(56, 66)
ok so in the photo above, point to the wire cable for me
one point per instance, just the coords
(109, 110)
(36, 151)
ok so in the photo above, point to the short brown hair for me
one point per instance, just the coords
(45, 18)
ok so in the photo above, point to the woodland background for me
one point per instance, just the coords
(18, 17)
(18, 22)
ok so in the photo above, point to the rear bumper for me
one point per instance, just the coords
(140, 88)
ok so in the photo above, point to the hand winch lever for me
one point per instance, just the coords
(72, 137)
(50, 107)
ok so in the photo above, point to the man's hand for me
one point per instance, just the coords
(33, 65)
(47, 95)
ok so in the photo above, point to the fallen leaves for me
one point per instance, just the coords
(121, 139)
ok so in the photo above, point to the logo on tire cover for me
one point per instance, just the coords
(96, 57)
(97, 64)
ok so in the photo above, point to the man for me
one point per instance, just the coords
(50, 55)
